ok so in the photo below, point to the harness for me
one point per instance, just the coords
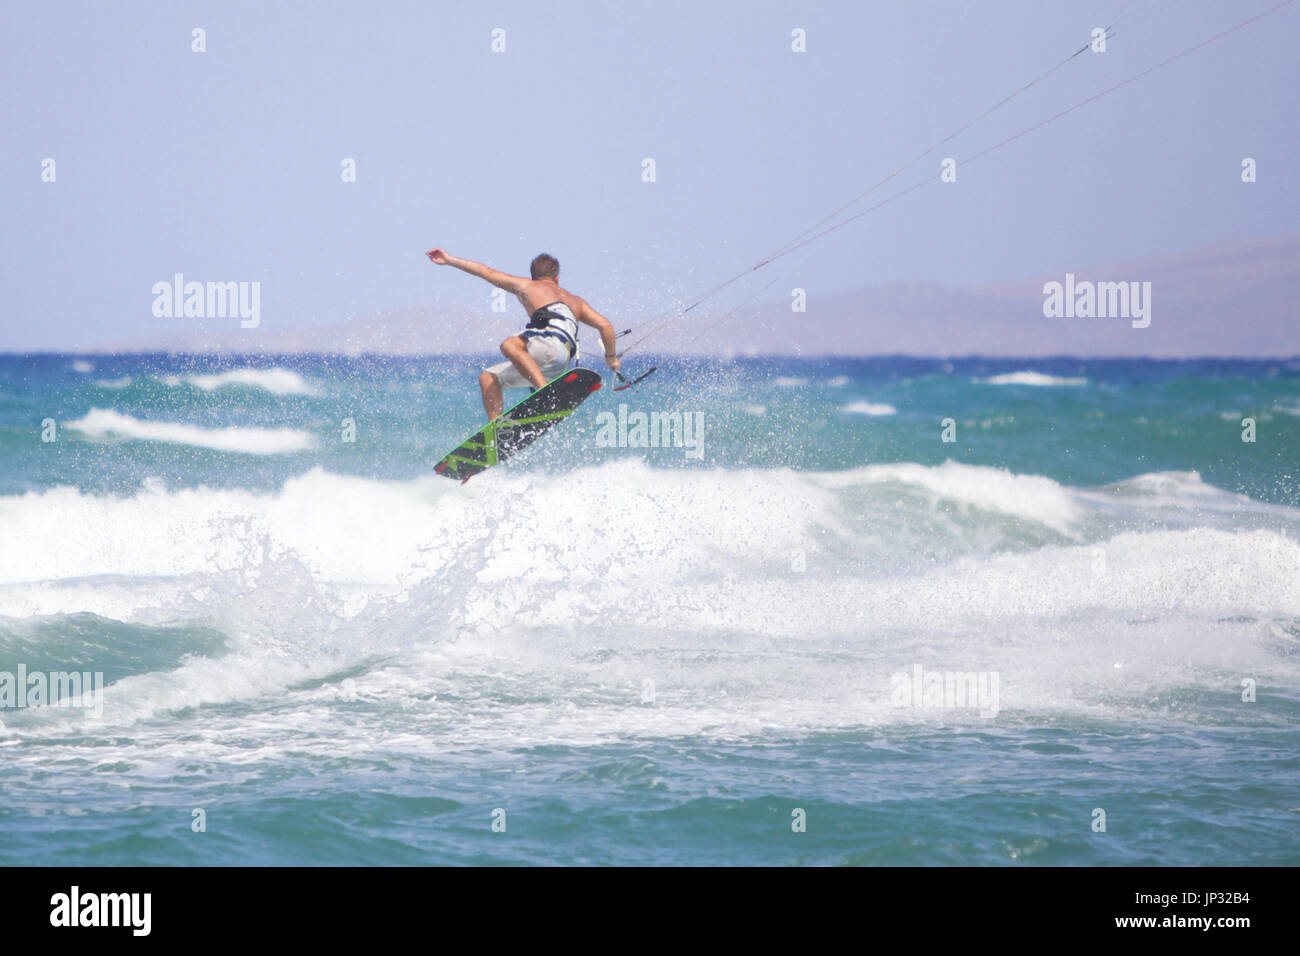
(556, 320)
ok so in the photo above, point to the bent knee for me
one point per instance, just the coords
(513, 344)
(488, 380)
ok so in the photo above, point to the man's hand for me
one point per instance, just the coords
(613, 362)
(438, 257)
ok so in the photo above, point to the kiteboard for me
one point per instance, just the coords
(517, 428)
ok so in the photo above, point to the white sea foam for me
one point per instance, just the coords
(1031, 498)
(1031, 378)
(1182, 487)
(869, 408)
(80, 365)
(500, 613)
(363, 532)
(788, 382)
(277, 381)
(105, 423)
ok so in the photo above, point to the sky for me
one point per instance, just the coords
(226, 165)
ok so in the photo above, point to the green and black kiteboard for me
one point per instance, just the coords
(519, 427)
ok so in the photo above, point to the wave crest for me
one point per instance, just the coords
(105, 423)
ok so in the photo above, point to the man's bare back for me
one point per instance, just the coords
(539, 293)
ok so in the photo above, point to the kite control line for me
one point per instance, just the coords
(840, 218)
(621, 377)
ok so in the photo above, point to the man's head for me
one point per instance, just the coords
(545, 266)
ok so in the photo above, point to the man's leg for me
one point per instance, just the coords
(516, 349)
(490, 385)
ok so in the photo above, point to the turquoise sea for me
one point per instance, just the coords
(1069, 635)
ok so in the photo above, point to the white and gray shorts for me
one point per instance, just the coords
(549, 351)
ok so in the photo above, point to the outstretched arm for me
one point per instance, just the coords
(589, 316)
(499, 279)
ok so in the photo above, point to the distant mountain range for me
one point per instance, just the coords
(1239, 299)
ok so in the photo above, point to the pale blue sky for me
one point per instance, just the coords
(225, 165)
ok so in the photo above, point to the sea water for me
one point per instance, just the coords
(894, 611)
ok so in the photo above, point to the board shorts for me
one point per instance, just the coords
(549, 351)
